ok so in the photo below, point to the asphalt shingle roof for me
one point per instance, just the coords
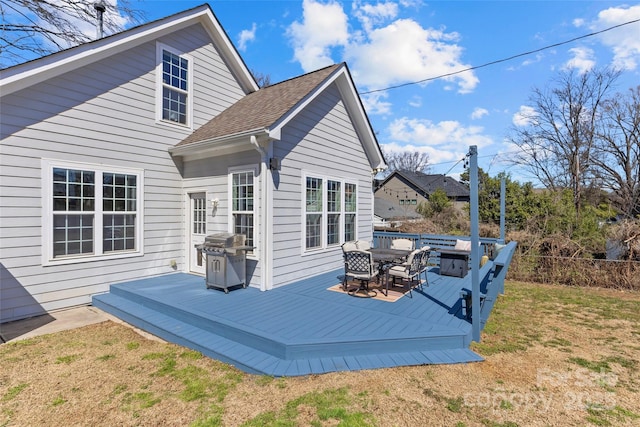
(430, 183)
(261, 108)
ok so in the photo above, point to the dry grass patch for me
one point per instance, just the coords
(554, 356)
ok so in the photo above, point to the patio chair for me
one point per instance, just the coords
(359, 265)
(363, 245)
(408, 271)
(424, 264)
(402, 244)
(405, 244)
(349, 246)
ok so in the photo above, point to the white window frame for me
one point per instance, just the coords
(345, 212)
(254, 171)
(160, 47)
(325, 213)
(48, 165)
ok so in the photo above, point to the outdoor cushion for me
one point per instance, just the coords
(363, 245)
(462, 245)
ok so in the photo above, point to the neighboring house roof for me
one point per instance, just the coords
(38, 70)
(265, 112)
(427, 184)
(390, 210)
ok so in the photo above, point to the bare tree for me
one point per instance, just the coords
(34, 28)
(557, 142)
(262, 79)
(412, 161)
(618, 150)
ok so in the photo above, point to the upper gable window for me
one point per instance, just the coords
(174, 86)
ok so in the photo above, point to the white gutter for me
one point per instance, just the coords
(266, 216)
(213, 144)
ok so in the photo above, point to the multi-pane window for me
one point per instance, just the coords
(330, 217)
(199, 215)
(93, 212)
(350, 209)
(334, 207)
(313, 213)
(73, 211)
(242, 204)
(175, 87)
(119, 207)
(408, 201)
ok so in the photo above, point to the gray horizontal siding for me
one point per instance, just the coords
(321, 140)
(210, 175)
(103, 113)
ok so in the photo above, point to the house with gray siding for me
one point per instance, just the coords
(398, 195)
(119, 156)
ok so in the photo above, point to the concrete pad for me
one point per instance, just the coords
(53, 322)
(62, 320)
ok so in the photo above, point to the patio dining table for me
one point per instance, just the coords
(386, 258)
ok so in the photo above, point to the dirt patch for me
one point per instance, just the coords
(554, 356)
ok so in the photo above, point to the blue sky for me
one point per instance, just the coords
(398, 42)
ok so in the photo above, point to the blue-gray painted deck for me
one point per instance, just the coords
(301, 328)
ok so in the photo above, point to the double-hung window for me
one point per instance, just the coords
(174, 86)
(334, 209)
(329, 212)
(313, 213)
(242, 204)
(91, 212)
(350, 210)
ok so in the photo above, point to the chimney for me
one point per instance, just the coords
(100, 8)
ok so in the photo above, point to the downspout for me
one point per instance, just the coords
(264, 207)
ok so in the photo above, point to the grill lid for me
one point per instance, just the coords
(224, 240)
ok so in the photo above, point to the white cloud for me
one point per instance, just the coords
(624, 41)
(582, 59)
(370, 14)
(435, 155)
(88, 28)
(525, 116)
(374, 103)
(578, 22)
(415, 101)
(478, 113)
(382, 53)
(246, 36)
(446, 135)
(323, 26)
(404, 51)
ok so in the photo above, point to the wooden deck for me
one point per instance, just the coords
(302, 328)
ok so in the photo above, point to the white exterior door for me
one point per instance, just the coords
(197, 231)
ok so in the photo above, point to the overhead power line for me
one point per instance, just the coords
(501, 60)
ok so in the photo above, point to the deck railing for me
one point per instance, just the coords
(492, 273)
(382, 239)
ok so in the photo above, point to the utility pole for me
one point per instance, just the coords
(475, 243)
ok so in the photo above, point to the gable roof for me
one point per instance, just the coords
(38, 70)
(260, 109)
(265, 112)
(427, 184)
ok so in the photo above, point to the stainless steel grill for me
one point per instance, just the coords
(226, 260)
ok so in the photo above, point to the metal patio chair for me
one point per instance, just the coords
(408, 272)
(359, 265)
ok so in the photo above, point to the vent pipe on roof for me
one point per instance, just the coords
(100, 9)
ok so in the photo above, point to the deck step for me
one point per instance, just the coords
(292, 360)
(190, 307)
